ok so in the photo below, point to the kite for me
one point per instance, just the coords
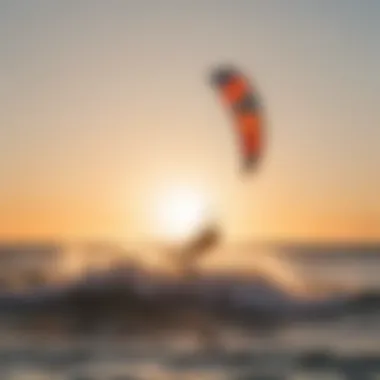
(242, 101)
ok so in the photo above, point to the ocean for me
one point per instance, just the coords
(344, 347)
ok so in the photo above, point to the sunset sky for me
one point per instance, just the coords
(106, 111)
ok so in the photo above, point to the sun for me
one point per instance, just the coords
(179, 212)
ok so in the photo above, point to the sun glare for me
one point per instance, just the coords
(179, 212)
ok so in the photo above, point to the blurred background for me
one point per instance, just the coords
(131, 245)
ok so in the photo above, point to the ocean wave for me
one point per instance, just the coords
(163, 303)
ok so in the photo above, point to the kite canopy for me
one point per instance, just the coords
(243, 102)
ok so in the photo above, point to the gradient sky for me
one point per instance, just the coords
(104, 102)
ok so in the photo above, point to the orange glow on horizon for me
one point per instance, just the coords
(177, 218)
